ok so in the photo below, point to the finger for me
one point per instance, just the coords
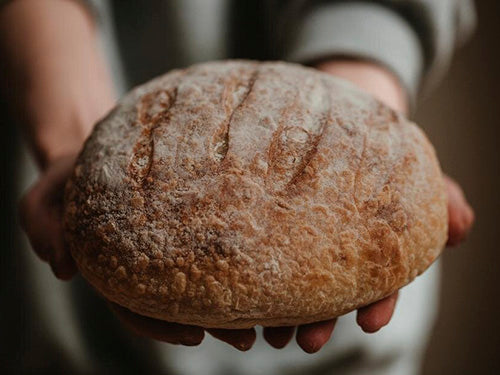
(460, 213)
(32, 219)
(40, 212)
(373, 317)
(55, 183)
(278, 337)
(172, 333)
(312, 337)
(40, 246)
(62, 263)
(241, 339)
(44, 231)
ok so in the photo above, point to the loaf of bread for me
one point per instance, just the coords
(233, 194)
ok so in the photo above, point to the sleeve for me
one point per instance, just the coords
(414, 39)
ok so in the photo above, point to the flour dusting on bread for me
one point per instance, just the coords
(237, 193)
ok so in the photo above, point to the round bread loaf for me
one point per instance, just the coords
(233, 194)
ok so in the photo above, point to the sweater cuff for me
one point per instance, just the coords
(364, 31)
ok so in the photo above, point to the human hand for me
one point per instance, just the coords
(383, 85)
(40, 212)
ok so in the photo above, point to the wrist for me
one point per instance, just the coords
(53, 144)
(58, 122)
(371, 78)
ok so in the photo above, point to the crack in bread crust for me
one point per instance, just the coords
(140, 165)
(225, 137)
(315, 139)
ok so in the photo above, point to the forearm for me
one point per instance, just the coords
(53, 65)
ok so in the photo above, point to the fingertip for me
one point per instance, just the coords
(194, 339)
(41, 250)
(368, 323)
(243, 346)
(63, 274)
(183, 334)
(377, 315)
(470, 216)
(458, 229)
(64, 271)
(312, 337)
(63, 265)
(310, 347)
(247, 342)
(241, 339)
(278, 337)
(460, 214)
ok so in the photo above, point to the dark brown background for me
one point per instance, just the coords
(462, 118)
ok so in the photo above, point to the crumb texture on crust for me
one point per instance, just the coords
(237, 193)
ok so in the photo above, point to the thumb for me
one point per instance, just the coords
(61, 262)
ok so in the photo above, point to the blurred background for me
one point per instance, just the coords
(462, 119)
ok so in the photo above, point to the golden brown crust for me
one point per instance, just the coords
(239, 193)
